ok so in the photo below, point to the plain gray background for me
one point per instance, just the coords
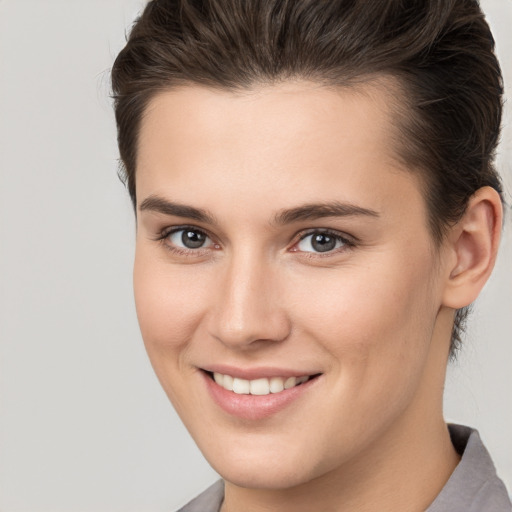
(84, 425)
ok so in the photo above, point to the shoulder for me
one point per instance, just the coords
(474, 485)
(208, 501)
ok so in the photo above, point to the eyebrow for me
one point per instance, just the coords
(320, 210)
(160, 205)
(311, 211)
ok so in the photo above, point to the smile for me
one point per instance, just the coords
(262, 386)
(257, 393)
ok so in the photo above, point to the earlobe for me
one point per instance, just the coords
(474, 242)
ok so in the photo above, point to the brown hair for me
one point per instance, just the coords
(440, 51)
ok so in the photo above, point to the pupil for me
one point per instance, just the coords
(323, 243)
(192, 239)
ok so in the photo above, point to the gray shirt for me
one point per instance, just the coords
(474, 486)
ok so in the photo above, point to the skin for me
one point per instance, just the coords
(373, 316)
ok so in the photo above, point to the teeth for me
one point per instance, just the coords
(260, 387)
(276, 384)
(228, 382)
(290, 382)
(241, 386)
(257, 386)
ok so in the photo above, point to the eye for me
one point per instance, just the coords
(188, 238)
(321, 241)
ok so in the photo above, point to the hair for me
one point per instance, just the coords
(439, 52)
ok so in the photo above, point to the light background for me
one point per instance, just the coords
(84, 425)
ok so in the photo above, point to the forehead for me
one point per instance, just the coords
(282, 141)
(272, 114)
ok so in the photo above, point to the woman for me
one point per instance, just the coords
(316, 207)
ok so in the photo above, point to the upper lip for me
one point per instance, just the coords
(258, 372)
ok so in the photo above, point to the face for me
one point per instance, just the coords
(286, 282)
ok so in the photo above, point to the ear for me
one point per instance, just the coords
(473, 243)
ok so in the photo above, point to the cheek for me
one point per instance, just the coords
(169, 309)
(376, 317)
(374, 327)
(168, 302)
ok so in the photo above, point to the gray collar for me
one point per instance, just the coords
(474, 485)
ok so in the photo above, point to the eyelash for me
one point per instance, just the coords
(348, 242)
(165, 233)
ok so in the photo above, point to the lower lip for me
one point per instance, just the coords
(254, 407)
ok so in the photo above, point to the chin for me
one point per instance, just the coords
(262, 467)
(263, 476)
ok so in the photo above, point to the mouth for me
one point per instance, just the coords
(261, 386)
(257, 393)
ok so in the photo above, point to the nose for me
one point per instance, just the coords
(248, 309)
